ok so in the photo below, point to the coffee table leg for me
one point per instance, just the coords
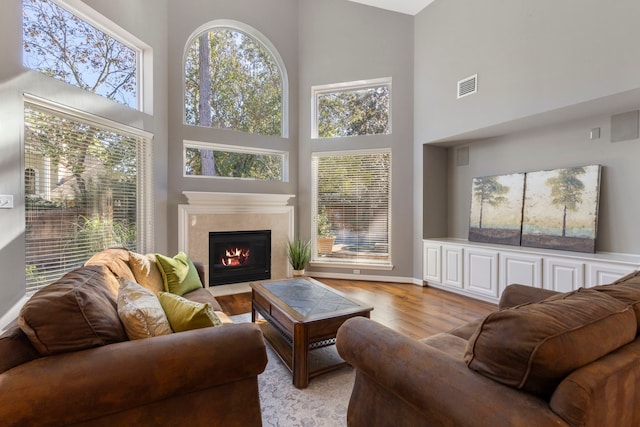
(300, 356)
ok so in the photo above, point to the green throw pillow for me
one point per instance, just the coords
(178, 273)
(185, 315)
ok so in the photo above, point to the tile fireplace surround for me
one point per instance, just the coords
(205, 212)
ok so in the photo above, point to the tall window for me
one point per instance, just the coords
(95, 194)
(351, 203)
(235, 80)
(63, 45)
(351, 109)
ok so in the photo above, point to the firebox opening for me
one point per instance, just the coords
(239, 256)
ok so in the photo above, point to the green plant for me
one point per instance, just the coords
(322, 220)
(299, 253)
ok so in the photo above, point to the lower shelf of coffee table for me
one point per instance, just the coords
(319, 360)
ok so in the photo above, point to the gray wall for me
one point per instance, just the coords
(548, 72)
(278, 22)
(342, 41)
(147, 20)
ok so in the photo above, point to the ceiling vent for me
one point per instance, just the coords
(468, 86)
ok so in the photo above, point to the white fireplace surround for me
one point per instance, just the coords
(211, 211)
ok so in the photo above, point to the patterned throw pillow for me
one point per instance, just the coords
(184, 315)
(178, 273)
(141, 312)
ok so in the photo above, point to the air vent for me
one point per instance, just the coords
(468, 86)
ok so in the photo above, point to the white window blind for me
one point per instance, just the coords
(92, 190)
(352, 189)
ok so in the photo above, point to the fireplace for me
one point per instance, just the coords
(239, 256)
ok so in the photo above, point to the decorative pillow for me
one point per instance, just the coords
(146, 271)
(116, 260)
(534, 346)
(184, 315)
(178, 274)
(627, 290)
(140, 311)
(78, 311)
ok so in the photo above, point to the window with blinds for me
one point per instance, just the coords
(86, 189)
(351, 202)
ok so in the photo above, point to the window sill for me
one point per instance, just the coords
(351, 265)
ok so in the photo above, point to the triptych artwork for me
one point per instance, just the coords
(556, 209)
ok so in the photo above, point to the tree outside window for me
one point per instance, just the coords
(61, 45)
(352, 109)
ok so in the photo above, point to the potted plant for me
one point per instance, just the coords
(299, 254)
(325, 239)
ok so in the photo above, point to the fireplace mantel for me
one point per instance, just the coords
(212, 211)
(226, 202)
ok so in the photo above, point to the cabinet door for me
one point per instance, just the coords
(431, 263)
(481, 271)
(603, 273)
(521, 269)
(563, 275)
(452, 266)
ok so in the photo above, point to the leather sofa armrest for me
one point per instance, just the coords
(431, 381)
(514, 295)
(71, 387)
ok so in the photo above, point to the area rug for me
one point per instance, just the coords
(322, 404)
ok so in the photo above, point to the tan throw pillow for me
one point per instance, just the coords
(78, 311)
(184, 315)
(140, 311)
(178, 274)
(534, 346)
(146, 271)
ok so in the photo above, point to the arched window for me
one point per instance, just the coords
(235, 79)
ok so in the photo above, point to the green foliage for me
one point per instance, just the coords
(567, 188)
(235, 165)
(36, 202)
(98, 233)
(566, 191)
(488, 190)
(299, 253)
(354, 112)
(34, 277)
(245, 84)
(322, 220)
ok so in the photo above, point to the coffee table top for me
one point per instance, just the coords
(310, 298)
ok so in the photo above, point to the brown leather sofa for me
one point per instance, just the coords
(542, 359)
(205, 376)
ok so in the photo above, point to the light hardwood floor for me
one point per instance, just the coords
(413, 310)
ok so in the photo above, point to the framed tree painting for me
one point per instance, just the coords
(561, 209)
(496, 209)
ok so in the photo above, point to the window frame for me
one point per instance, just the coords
(340, 263)
(144, 56)
(260, 39)
(235, 149)
(347, 87)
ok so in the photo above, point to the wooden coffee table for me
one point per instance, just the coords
(302, 318)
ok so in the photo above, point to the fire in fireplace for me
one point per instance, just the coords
(239, 256)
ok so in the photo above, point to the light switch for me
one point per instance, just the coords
(6, 201)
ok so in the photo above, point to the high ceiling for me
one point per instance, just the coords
(410, 7)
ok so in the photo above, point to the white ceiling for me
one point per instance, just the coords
(410, 7)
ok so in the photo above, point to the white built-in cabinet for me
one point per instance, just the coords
(483, 271)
